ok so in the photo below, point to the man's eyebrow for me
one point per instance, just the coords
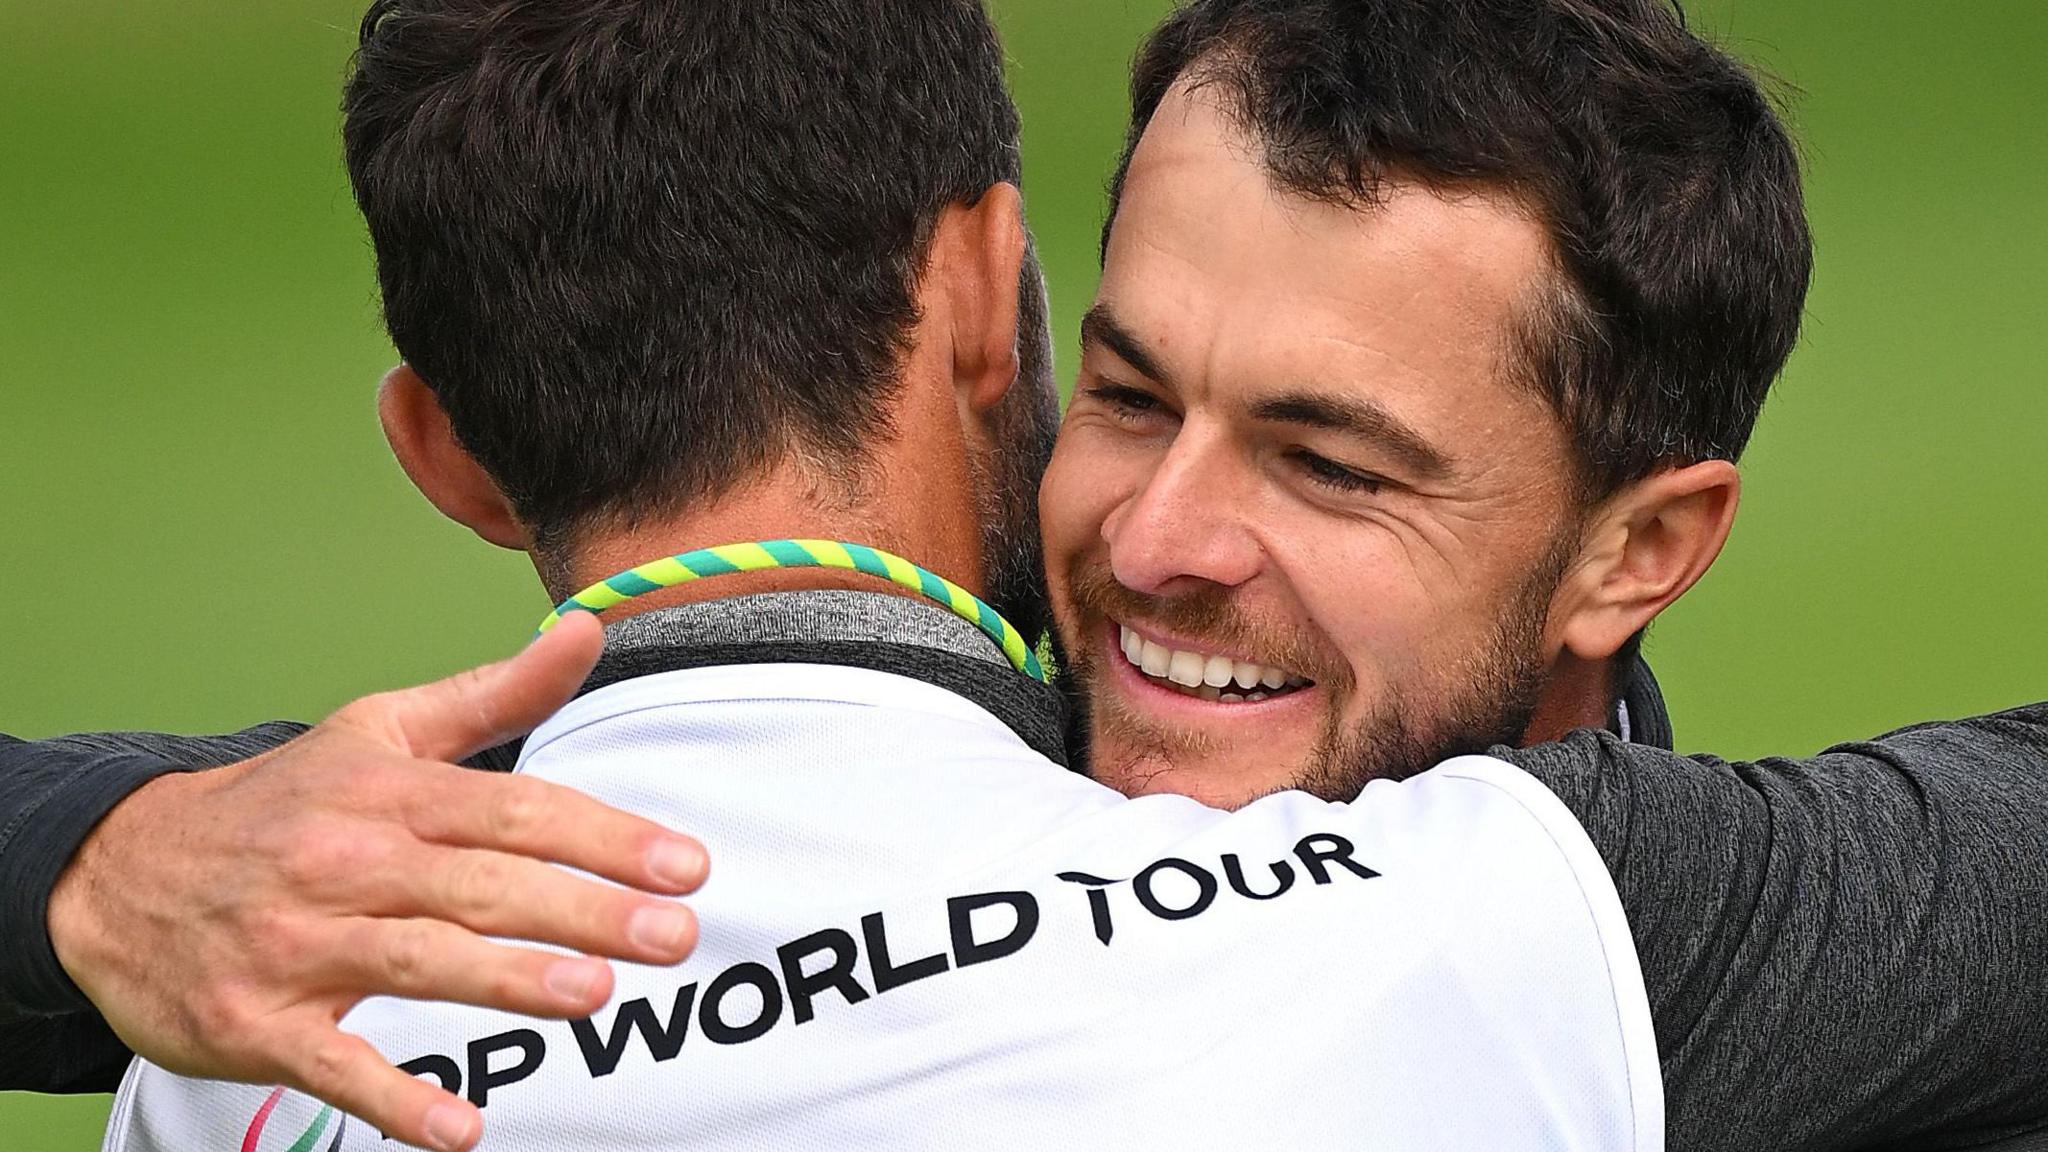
(1362, 419)
(1101, 327)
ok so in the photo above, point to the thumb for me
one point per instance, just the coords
(482, 707)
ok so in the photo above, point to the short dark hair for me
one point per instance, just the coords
(1669, 188)
(640, 249)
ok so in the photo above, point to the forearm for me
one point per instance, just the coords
(1846, 951)
(51, 797)
(52, 794)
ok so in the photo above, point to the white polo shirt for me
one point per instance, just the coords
(921, 934)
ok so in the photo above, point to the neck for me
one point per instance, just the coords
(933, 526)
(1579, 694)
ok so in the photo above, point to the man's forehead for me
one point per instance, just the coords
(1225, 277)
(1197, 167)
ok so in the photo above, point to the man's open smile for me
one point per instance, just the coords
(1152, 665)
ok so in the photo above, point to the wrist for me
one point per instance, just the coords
(64, 871)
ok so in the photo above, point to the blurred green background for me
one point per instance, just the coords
(200, 526)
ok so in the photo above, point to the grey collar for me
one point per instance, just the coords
(802, 617)
(875, 631)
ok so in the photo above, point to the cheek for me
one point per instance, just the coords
(1084, 484)
(1397, 620)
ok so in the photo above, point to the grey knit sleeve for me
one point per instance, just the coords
(1846, 951)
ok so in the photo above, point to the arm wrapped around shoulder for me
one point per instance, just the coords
(1843, 950)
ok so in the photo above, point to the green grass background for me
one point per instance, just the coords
(200, 527)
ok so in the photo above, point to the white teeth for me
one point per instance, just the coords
(1186, 669)
(1205, 673)
(1255, 697)
(1154, 659)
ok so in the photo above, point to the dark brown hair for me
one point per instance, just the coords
(640, 248)
(1668, 185)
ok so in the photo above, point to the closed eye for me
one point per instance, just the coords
(1335, 476)
(1126, 402)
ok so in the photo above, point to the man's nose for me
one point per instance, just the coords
(1187, 523)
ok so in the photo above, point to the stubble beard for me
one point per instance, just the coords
(1485, 699)
(1488, 701)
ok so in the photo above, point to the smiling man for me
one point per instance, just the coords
(1297, 515)
(1400, 417)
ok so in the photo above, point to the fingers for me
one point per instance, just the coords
(433, 960)
(344, 1071)
(473, 710)
(496, 894)
(529, 817)
(475, 849)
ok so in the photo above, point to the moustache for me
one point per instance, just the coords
(1210, 616)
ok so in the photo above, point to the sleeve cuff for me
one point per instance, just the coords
(36, 845)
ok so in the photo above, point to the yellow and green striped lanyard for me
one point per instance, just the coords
(761, 555)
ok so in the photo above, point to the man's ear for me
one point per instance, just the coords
(446, 474)
(1644, 548)
(977, 258)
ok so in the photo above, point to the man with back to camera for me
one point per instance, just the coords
(1306, 651)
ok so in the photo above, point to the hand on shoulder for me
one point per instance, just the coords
(224, 922)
